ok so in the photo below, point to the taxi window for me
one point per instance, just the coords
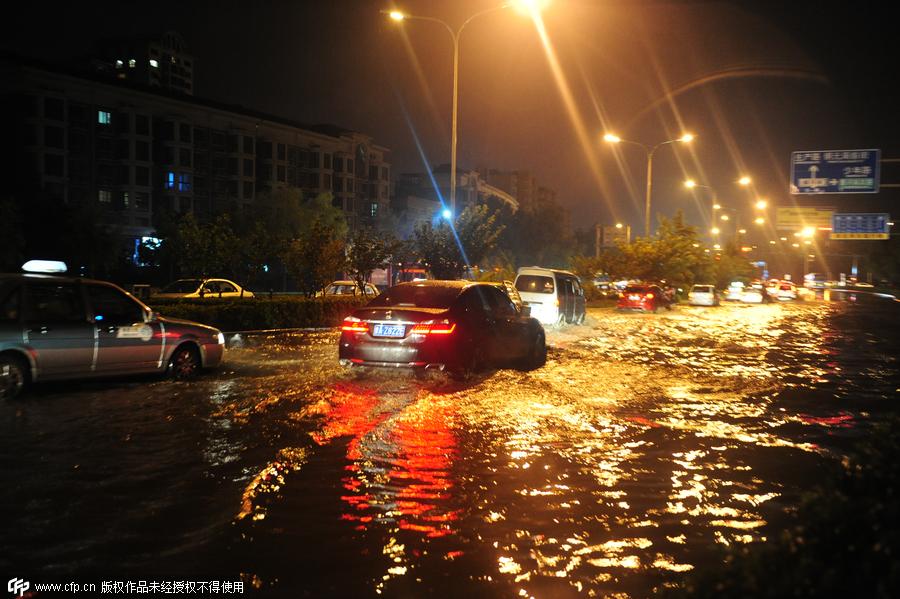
(9, 304)
(226, 287)
(111, 306)
(54, 302)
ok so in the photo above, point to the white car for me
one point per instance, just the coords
(786, 291)
(755, 294)
(735, 292)
(203, 288)
(703, 295)
(340, 288)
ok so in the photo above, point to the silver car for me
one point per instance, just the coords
(55, 328)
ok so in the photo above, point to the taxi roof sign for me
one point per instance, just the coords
(53, 267)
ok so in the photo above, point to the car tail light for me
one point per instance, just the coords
(432, 327)
(354, 325)
(649, 296)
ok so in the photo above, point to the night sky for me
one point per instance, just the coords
(753, 80)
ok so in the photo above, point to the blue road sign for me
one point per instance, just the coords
(860, 226)
(835, 171)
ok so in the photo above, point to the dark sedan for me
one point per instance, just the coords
(458, 325)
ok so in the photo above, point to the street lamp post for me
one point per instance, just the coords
(398, 16)
(650, 151)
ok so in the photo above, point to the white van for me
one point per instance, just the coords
(555, 296)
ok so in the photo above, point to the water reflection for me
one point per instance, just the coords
(399, 456)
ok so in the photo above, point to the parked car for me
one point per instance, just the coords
(203, 288)
(786, 291)
(645, 298)
(462, 326)
(703, 295)
(554, 296)
(57, 327)
(772, 287)
(348, 288)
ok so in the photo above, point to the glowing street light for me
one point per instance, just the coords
(761, 204)
(760, 220)
(724, 217)
(745, 181)
(714, 230)
(619, 225)
(650, 151)
(397, 16)
(807, 232)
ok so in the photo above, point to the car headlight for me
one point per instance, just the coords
(220, 338)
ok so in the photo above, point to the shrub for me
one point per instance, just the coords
(260, 314)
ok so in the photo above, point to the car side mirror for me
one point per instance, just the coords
(526, 311)
(152, 316)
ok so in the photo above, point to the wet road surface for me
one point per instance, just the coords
(645, 441)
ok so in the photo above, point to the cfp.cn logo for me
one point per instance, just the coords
(17, 586)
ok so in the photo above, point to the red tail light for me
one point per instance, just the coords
(354, 325)
(443, 327)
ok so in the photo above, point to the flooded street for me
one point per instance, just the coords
(644, 442)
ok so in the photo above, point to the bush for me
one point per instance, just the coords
(260, 314)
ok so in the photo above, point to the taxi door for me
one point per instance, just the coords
(57, 329)
(126, 343)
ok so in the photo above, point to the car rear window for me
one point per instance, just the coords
(786, 287)
(534, 284)
(184, 286)
(702, 289)
(418, 296)
(632, 289)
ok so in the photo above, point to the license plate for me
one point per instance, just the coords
(634, 298)
(388, 330)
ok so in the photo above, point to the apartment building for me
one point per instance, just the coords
(132, 151)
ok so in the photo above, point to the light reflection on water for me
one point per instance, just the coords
(609, 471)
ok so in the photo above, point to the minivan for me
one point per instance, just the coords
(554, 296)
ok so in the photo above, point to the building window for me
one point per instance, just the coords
(349, 165)
(53, 137)
(248, 167)
(170, 180)
(281, 173)
(248, 190)
(349, 185)
(248, 145)
(142, 200)
(104, 196)
(326, 160)
(53, 165)
(338, 164)
(142, 176)
(281, 152)
(154, 63)
(141, 150)
(184, 157)
(141, 124)
(126, 201)
(184, 182)
(120, 64)
(104, 117)
(132, 63)
(184, 132)
(373, 210)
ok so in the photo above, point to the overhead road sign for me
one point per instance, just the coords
(872, 225)
(799, 217)
(835, 171)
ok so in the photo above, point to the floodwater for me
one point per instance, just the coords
(644, 442)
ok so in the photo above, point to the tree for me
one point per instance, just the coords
(448, 251)
(204, 249)
(368, 250)
(315, 257)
